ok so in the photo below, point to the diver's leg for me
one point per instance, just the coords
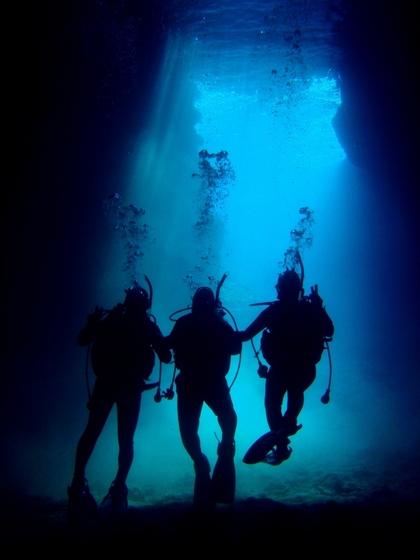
(128, 410)
(295, 396)
(295, 400)
(220, 402)
(100, 406)
(275, 389)
(224, 477)
(189, 406)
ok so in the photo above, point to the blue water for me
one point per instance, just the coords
(259, 80)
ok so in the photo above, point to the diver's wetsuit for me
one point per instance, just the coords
(296, 329)
(122, 358)
(203, 344)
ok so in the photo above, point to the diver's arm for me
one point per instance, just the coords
(259, 324)
(170, 341)
(324, 318)
(161, 346)
(327, 324)
(90, 331)
(235, 343)
(85, 337)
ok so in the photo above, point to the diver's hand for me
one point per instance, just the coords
(315, 297)
(96, 316)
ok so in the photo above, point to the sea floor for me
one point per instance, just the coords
(324, 513)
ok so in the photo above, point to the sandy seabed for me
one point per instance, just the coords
(340, 515)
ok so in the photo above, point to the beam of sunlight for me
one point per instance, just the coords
(283, 150)
(272, 115)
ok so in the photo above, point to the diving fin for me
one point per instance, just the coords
(223, 482)
(279, 454)
(259, 449)
(115, 502)
(81, 506)
(202, 484)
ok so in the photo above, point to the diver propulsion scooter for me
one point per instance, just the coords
(147, 386)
